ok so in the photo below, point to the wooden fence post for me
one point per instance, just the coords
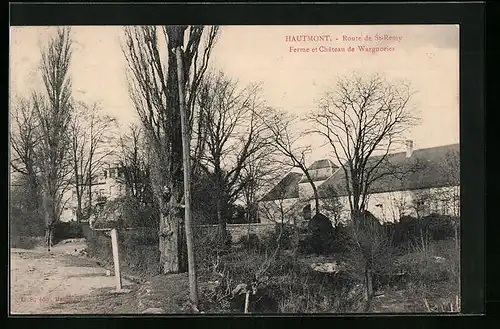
(116, 258)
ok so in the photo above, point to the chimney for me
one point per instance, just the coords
(409, 148)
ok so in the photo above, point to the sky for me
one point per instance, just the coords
(425, 55)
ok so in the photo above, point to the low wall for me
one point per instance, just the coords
(239, 230)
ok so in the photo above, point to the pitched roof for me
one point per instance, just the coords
(287, 188)
(320, 170)
(426, 168)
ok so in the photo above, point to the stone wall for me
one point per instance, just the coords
(239, 230)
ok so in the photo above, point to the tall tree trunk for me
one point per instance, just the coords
(48, 208)
(173, 248)
(79, 206)
(220, 201)
(315, 190)
(316, 197)
(89, 210)
(186, 238)
(171, 241)
(221, 218)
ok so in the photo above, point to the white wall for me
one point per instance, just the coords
(390, 206)
(271, 211)
(109, 188)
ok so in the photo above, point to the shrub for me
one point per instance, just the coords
(208, 246)
(321, 234)
(23, 223)
(67, 230)
(25, 242)
(410, 230)
(126, 211)
(250, 241)
(284, 284)
(439, 227)
(139, 253)
(283, 234)
(340, 239)
(425, 267)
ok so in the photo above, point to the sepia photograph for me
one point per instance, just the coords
(234, 169)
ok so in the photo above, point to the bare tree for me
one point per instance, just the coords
(363, 116)
(260, 173)
(133, 160)
(277, 206)
(285, 141)
(53, 110)
(235, 133)
(91, 140)
(24, 142)
(154, 90)
(444, 200)
(451, 169)
(332, 206)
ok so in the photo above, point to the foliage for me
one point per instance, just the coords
(321, 233)
(283, 236)
(135, 164)
(67, 230)
(409, 231)
(250, 241)
(25, 215)
(139, 254)
(289, 286)
(127, 211)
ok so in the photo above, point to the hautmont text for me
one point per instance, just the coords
(305, 37)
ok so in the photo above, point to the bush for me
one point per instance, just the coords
(284, 284)
(250, 241)
(283, 234)
(321, 234)
(126, 211)
(25, 224)
(409, 230)
(439, 227)
(25, 242)
(139, 253)
(424, 267)
(208, 246)
(67, 230)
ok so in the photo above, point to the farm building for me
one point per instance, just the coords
(410, 183)
(106, 186)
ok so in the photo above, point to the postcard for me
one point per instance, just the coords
(232, 169)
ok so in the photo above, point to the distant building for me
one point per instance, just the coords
(411, 183)
(107, 186)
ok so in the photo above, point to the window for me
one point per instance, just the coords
(105, 174)
(306, 212)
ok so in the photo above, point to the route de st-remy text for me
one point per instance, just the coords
(344, 38)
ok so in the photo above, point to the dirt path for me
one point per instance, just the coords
(64, 283)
